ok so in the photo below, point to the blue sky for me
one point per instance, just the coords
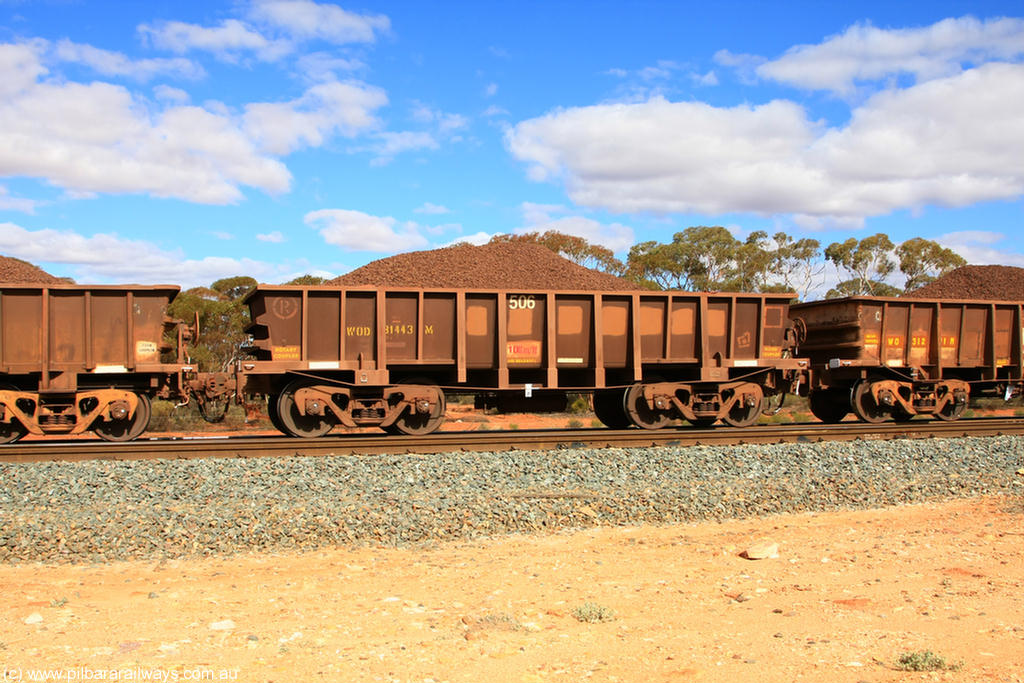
(182, 142)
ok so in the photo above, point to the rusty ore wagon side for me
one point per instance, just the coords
(388, 356)
(887, 358)
(76, 358)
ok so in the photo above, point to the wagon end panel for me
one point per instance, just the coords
(439, 328)
(481, 331)
(615, 335)
(21, 316)
(574, 340)
(276, 326)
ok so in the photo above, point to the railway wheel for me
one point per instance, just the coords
(639, 412)
(13, 430)
(273, 415)
(828, 405)
(608, 408)
(415, 423)
(127, 428)
(864, 405)
(295, 423)
(744, 415)
(952, 411)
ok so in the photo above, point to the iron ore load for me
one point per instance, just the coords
(892, 359)
(389, 357)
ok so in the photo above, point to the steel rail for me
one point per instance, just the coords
(536, 439)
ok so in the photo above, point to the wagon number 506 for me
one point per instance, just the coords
(522, 301)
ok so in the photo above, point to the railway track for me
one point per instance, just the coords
(539, 439)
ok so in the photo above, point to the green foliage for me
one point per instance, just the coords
(167, 418)
(234, 288)
(222, 319)
(795, 263)
(856, 287)
(308, 280)
(924, 261)
(700, 258)
(571, 247)
(593, 613)
(703, 258)
(573, 424)
(924, 660)
(867, 262)
(579, 404)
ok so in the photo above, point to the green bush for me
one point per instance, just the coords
(167, 418)
(593, 613)
(924, 660)
(579, 404)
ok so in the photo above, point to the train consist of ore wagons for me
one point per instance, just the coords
(888, 358)
(85, 358)
(389, 357)
(91, 358)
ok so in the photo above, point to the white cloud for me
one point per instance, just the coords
(324, 66)
(495, 110)
(477, 239)
(227, 39)
(275, 237)
(391, 143)
(984, 247)
(20, 67)
(315, 272)
(359, 231)
(709, 78)
(168, 94)
(9, 203)
(543, 217)
(310, 20)
(951, 142)
(323, 110)
(106, 258)
(99, 137)
(867, 53)
(433, 209)
(491, 90)
(745, 65)
(444, 122)
(657, 80)
(110, 63)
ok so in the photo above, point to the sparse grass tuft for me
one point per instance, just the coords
(573, 424)
(593, 613)
(924, 660)
(501, 620)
